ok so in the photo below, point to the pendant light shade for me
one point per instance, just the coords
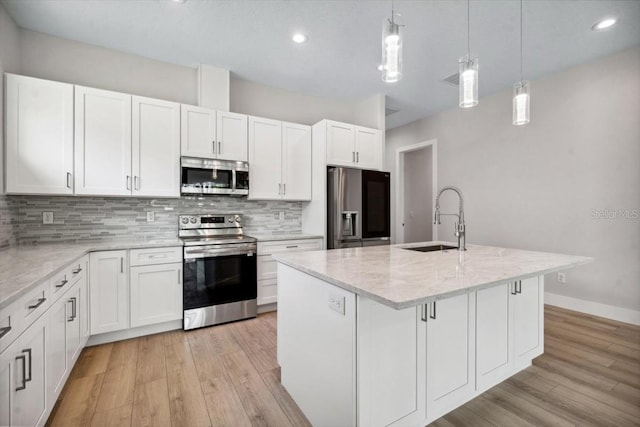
(521, 103)
(468, 71)
(391, 50)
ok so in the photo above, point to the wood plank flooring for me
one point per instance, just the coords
(228, 376)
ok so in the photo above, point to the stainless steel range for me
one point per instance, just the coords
(220, 282)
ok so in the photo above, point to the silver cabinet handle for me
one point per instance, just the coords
(136, 183)
(519, 287)
(292, 246)
(121, 264)
(28, 353)
(432, 314)
(24, 371)
(357, 157)
(179, 276)
(77, 270)
(128, 182)
(74, 312)
(284, 189)
(61, 284)
(423, 311)
(38, 304)
(514, 290)
(213, 147)
(219, 147)
(70, 318)
(4, 331)
(68, 179)
(353, 157)
(280, 189)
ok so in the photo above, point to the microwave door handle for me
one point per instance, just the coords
(233, 180)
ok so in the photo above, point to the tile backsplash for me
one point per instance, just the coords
(125, 218)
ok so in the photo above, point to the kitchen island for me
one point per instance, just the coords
(386, 335)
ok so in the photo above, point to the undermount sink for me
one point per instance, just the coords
(431, 248)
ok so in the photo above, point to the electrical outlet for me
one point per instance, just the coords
(151, 216)
(281, 216)
(562, 278)
(336, 303)
(47, 217)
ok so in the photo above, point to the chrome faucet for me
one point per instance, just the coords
(459, 226)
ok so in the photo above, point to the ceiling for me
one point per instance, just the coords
(252, 38)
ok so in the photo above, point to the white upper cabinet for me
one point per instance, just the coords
(353, 146)
(102, 142)
(265, 158)
(296, 161)
(212, 134)
(39, 136)
(280, 160)
(198, 132)
(368, 148)
(156, 147)
(231, 135)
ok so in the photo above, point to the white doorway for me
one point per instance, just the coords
(416, 188)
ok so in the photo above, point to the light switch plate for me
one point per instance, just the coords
(336, 303)
(281, 216)
(151, 217)
(47, 217)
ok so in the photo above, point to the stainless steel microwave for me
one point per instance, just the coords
(210, 176)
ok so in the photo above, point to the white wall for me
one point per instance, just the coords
(536, 187)
(417, 186)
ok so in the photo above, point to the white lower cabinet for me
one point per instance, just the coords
(450, 353)
(528, 320)
(57, 367)
(22, 374)
(267, 266)
(109, 291)
(156, 293)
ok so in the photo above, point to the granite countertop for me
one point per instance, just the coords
(402, 278)
(277, 237)
(26, 266)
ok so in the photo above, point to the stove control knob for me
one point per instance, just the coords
(238, 219)
(193, 220)
(185, 220)
(230, 219)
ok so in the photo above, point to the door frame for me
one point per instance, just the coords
(400, 152)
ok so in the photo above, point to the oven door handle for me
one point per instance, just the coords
(203, 252)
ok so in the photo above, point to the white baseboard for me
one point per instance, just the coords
(267, 308)
(607, 311)
(134, 332)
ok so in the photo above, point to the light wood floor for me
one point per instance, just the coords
(228, 376)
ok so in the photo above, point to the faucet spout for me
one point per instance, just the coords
(459, 232)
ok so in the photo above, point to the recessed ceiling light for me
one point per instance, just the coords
(178, 1)
(604, 24)
(299, 38)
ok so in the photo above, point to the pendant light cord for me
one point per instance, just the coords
(521, 42)
(468, 30)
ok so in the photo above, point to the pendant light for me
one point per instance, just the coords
(468, 72)
(521, 96)
(391, 50)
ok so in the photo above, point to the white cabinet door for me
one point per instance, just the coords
(198, 132)
(109, 291)
(22, 373)
(102, 142)
(156, 294)
(232, 136)
(340, 144)
(156, 147)
(450, 353)
(265, 158)
(57, 349)
(528, 312)
(83, 303)
(368, 148)
(39, 136)
(494, 332)
(296, 161)
(74, 333)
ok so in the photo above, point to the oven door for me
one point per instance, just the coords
(215, 276)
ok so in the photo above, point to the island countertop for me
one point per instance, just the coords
(401, 278)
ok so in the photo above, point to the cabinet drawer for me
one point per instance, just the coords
(268, 248)
(155, 256)
(267, 267)
(267, 291)
(66, 278)
(19, 315)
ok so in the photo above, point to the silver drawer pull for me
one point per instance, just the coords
(38, 304)
(292, 246)
(64, 282)
(77, 270)
(158, 256)
(4, 331)
(24, 372)
(28, 352)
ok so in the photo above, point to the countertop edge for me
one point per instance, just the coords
(7, 300)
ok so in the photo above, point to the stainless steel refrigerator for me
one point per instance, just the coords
(358, 208)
